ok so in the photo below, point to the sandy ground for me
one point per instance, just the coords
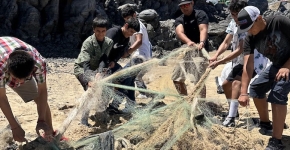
(64, 89)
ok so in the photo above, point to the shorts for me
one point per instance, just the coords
(192, 67)
(265, 82)
(237, 71)
(27, 91)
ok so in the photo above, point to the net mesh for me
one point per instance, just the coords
(167, 120)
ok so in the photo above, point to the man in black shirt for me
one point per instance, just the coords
(271, 37)
(191, 28)
(120, 37)
(121, 49)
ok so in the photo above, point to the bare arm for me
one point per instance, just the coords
(41, 101)
(235, 53)
(247, 72)
(134, 46)
(6, 109)
(224, 46)
(181, 35)
(203, 28)
(17, 131)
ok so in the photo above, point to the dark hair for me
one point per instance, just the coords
(127, 11)
(20, 63)
(237, 5)
(101, 22)
(133, 23)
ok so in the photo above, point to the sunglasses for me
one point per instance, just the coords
(185, 5)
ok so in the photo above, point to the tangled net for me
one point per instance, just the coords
(160, 124)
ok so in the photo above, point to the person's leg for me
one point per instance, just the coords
(236, 88)
(278, 98)
(180, 87)
(178, 78)
(203, 92)
(279, 115)
(140, 83)
(86, 112)
(262, 108)
(233, 104)
(227, 87)
(82, 81)
(258, 89)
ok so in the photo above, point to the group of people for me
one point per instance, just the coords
(254, 40)
(101, 52)
(260, 55)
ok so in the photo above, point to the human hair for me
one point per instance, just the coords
(20, 63)
(237, 5)
(101, 22)
(133, 23)
(127, 11)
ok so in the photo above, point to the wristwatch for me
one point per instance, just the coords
(202, 42)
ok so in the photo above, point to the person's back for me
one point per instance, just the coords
(24, 70)
(7, 46)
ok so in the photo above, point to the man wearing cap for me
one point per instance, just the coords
(271, 37)
(191, 28)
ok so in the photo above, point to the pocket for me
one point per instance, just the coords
(282, 87)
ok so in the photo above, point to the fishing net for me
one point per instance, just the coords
(165, 121)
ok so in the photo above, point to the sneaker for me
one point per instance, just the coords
(141, 96)
(265, 127)
(199, 116)
(85, 122)
(274, 144)
(238, 115)
(113, 111)
(286, 126)
(229, 122)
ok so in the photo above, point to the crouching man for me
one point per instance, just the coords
(23, 69)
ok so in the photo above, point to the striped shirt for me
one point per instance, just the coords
(7, 46)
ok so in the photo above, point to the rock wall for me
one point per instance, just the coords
(57, 28)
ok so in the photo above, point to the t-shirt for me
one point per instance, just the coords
(232, 30)
(121, 43)
(191, 23)
(145, 49)
(7, 46)
(273, 42)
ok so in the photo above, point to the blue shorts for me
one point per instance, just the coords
(265, 82)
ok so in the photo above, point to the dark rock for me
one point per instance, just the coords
(57, 28)
(148, 15)
(261, 4)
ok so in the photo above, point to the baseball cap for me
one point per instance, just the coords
(182, 2)
(246, 18)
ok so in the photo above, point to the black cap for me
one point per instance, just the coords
(182, 2)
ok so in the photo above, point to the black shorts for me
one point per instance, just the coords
(237, 71)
